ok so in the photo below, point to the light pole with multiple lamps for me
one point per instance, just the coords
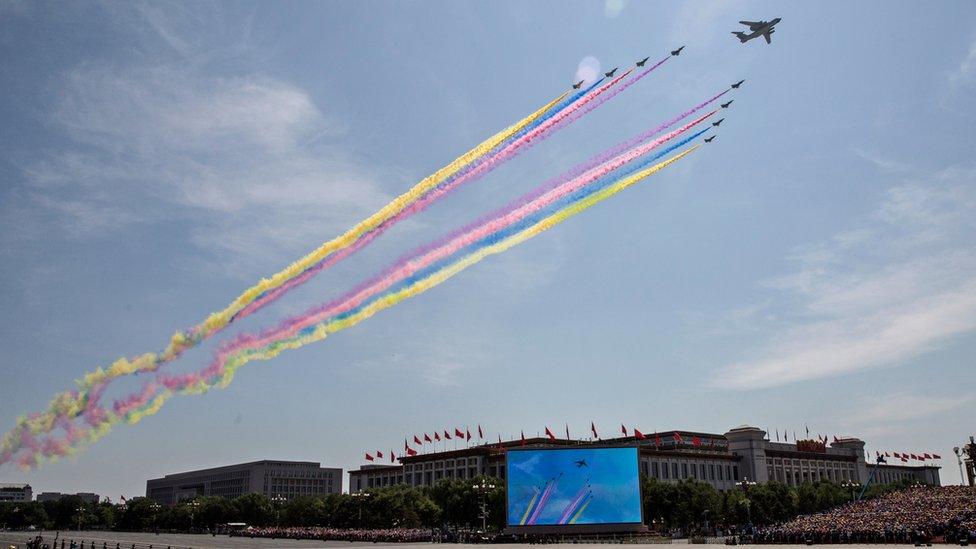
(277, 500)
(745, 484)
(361, 499)
(193, 505)
(483, 487)
(851, 485)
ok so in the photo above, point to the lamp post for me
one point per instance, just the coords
(79, 510)
(360, 499)
(155, 508)
(962, 478)
(483, 487)
(850, 485)
(745, 484)
(193, 506)
(277, 500)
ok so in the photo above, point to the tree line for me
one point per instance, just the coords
(689, 505)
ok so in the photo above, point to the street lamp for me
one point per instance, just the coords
(745, 484)
(360, 499)
(155, 508)
(277, 500)
(962, 478)
(483, 487)
(851, 486)
(79, 510)
(193, 506)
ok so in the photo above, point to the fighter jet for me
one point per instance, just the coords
(718, 122)
(709, 139)
(577, 85)
(642, 61)
(737, 84)
(581, 463)
(677, 51)
(726, 105)
(609, 74)
(758, 28)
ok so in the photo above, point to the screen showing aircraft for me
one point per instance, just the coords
(573, 486)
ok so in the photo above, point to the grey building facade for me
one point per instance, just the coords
(285, 479)
(87, 497)
(722, 460)
(16, 492)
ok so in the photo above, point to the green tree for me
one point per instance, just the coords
(254, 509)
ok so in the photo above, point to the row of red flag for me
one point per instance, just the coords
(904, 457)
(466, 435)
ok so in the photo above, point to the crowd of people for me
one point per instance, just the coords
(918, 514)
(384, 535)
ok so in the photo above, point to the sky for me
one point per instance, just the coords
(813, 266)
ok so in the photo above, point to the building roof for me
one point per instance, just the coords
(13, 486)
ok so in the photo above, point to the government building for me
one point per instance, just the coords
(274, 479)
(742, 454)
(16, 492)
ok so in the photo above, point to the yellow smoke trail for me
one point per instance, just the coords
(579, 513)
(525, 516)
(72, 404)
(322, 330)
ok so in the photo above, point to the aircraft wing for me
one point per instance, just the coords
(753, 25)
(768, 35)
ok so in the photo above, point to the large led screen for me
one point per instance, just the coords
(573, 486)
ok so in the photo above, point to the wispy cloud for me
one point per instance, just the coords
(900, 407)
(961, 85)
(149, 138)
(900, 284)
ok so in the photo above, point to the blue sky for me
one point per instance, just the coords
(814, 265)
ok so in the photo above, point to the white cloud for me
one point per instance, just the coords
(156, 140)
(901, 407)
(612, 8)
(901, 284)
(961, 85)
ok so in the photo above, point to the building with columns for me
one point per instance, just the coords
(722, 460)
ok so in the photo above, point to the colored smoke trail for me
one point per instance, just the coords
(74, 403)
(221, 371)
(581, 509)
(71, 404)
(528, 508)
(572, 504)
(544, 499)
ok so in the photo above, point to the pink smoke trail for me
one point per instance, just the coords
(544, 500)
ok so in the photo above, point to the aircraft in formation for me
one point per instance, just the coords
(642, 61)
(577, 85)
(609, 74)
(718, 122)
(709, 139)
(726, 105)
(677, 51)
(737, 84)
(757, 28)
(581, 463)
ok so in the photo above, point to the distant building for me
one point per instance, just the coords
(286, 479)
(16, 492)
(87, 497)
(722, 460)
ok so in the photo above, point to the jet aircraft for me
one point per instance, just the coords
(758, 28)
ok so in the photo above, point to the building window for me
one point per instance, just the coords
(684, 470)
(654, 469)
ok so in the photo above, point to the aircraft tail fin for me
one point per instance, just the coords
(743, 37)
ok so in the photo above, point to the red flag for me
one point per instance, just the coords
(921, 458)
(405, 446)
(887, 455)
(379, 454)
(639, 435)
(657, 440)
(549, 434)
(369, 457)
(836, 439)
(927, 455)
(411, 451)
(896, 455)
(904, 459)
(913, 456)
(695, 441)
(499, 440)
(467, 433)
(427, 437)
(123, 497)
(567, 431)
(447, 435)
(623, 429)
(437, 436)
(678, 439)
(481, 434)
(458, 433)
(417, 440)
(523, 438)
(593, 429)
(936, 456)
(392, 457)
